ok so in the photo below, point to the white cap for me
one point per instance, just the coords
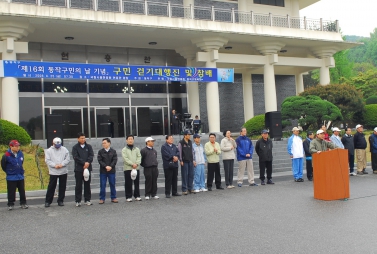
(295, 129)
(335, 129)
(149, 139)
(320, 131)
(86, 175)
(375, 129)
(358, 126)
(133, 174)
(57, 140)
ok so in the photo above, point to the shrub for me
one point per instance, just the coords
(371, 100)
(9, 131)
(255, 125)
(370, 115)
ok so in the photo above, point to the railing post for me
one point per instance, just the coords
(337, 25)
(270, 16)
(233, 16)
(95, 5)
(192, 13)
(252, 17)
(145, 7)
(213, 13)
(121, 10)
(169, 9)
(39, 2)
(289, 21)
(321, 24)
(68, 3)
(305, 23)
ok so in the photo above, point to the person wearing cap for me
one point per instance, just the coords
(335, 138)
(131, 161)
(296, 152)
(107, 159)
(199, 162)
(213, 150)
(245, 151)
(360, 144)
(149, 163)
(228, 146)
(12, 164)
(196, 124)
(347, 141)
(319, 144)
(327, 137)
(83, 155)
(187, 166)
(170, 159)
(308, 155)
(57, 160)
(263, 148)
(373, 149)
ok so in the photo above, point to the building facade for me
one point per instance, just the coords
(266, 42)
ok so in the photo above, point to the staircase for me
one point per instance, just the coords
(281, 160)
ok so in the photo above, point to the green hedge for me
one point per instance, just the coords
(371, 100)
(10, 131)
(370, 116)
(255, 125)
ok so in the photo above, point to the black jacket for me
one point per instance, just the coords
(359, 141)
(348, 144)
(105, 159)
(306, 145)
(167, 153)
(185, 150)
(82, 155)
(148, 157)
(264, 149)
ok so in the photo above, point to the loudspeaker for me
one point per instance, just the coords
(54, 128)
(272, 121)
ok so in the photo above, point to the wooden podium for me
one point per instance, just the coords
(331, 175)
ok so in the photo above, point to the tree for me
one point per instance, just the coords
(344, 96)
(309, 110)
(365, 82)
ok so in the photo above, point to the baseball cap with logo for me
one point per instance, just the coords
(149, 139)
(57, 142)
(320, 131)
(335, 129)
(197, 136)
(133, 174)
(14, 143)
(264, 131)
(86, 174)
(358, 126)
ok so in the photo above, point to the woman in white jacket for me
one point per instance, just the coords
(228, 145)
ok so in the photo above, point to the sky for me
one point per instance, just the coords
(356, 17)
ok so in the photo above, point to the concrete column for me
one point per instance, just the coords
(248, 104)
(299, 83)
(324, 76)
(270, 100)
(193, 95)
(325, 53)
(213, 103)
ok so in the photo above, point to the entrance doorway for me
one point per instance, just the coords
(72, 121)
(110, 122)
(151, 121)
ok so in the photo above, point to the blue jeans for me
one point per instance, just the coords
(187, 175)
(103, 178)
(297, 167)
(199, 177)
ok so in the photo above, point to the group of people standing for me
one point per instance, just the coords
(355, 144)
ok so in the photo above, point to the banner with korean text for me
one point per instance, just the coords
(62, 70)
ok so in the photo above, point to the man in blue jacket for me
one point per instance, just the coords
(308, 155)
(245, 150)
(296, 152)
(11, 163)
(170, 159)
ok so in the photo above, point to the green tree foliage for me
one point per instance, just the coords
(255, 125)
(10, 131)
(344, 96)
(371, 100)
(362, 67)
(365, 82)
(370, 119)
(309, 110)
(366, 52)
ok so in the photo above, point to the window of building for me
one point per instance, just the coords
(270, 2)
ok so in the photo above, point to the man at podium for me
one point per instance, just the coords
(319, 144)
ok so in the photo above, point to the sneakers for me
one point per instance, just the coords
(115, 200)
(374, 171)
(299, 180)
(360, 172)
(147, 198)
(129, 199)
(270, 182)
(10, 208)
(24, 206)
(262, 182)
(78, 204)
(229, 187)
(156, 197)
(232, 186)
(101, 202)
(88, 203)
(204, 190)
(184, 192)
(253, 184)
(354, 174)
(138, 199)
(196, 191)
(240, 185)
(47, 204)
(365, 172)
(61, 203)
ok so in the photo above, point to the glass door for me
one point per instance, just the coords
(110, 122)
(150, 121)
(72, 121)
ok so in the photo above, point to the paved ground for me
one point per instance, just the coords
(283, 218)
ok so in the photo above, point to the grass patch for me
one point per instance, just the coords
(32, 181)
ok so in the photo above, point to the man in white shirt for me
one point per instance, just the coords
(296, 152)
(335, 138)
